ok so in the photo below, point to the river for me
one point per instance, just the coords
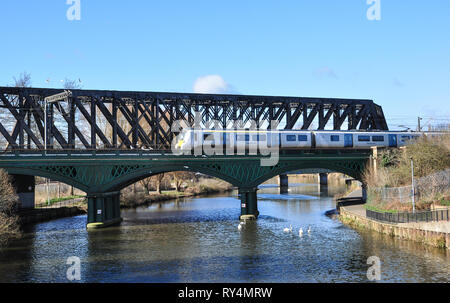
(197, 240)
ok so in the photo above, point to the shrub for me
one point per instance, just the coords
(9, 227)
(430, 155)
(394, 165)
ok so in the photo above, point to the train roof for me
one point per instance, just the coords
(314, 131)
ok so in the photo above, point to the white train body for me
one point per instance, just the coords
(191, 139)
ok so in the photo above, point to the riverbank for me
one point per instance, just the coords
(47, 214)
(78, 206)
(141, 199)
(62, 209)
(436, 234)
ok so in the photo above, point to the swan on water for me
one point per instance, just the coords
(300, 232)
(288, 230)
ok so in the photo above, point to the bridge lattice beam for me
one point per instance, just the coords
(92, 119)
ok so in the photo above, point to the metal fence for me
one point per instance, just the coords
(64, 203)
(424, 187)
(406, 217)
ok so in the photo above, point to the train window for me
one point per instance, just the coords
(406, 138)
(334, 138)
(243, 138)
(302, 138)
(377, 138)
(363, 138)
(255, 138)
(262, 137)
(208, 137)
(291, 138)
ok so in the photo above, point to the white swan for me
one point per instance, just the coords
(239, 226)
(300, 232)
(309, 229)
(288, 230)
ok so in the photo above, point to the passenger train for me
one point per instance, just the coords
(189, 139)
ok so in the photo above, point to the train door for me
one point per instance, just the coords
(392, 140)
(348, 140)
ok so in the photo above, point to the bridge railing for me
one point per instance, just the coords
(162, 152)
(56, 152)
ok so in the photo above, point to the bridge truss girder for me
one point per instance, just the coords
(93, 119)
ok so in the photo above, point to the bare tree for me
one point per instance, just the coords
(179, 177)
(8, 120)
(146, 184)
(157, 180)
(9, 227)
(24, 80)
(72, 84)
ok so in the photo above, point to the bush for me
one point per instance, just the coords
(429, 156)
(8, 197)
(394, 170)
(394, 165)
(9, 227)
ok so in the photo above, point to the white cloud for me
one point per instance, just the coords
(326, 72)
(211, 84)
(398, 82)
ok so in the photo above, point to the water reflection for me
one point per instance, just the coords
(197, 240)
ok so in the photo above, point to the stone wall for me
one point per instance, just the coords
(43, 215)
(427, 237)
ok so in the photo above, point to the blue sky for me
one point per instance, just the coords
(311, 48)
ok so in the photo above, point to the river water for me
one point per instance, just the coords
(197, 240)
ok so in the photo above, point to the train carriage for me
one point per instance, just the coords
(295, 139)
(292, 139)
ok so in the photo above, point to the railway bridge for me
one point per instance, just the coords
(103, 141)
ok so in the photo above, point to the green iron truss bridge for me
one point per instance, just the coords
(102, 176)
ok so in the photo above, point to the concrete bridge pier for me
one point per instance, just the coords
(249, 203)
(323, 183)
(24, 186)
(103, 209)
(364, 192)
(283, 181)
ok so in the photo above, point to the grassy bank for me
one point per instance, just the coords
(57, 200)
(202, 187)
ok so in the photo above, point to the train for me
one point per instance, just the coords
(189, 139)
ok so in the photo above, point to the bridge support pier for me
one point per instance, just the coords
(364, 192)
(249, 203)
(24, 186)
(323, 183)
(103, 209)
(283, 180)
